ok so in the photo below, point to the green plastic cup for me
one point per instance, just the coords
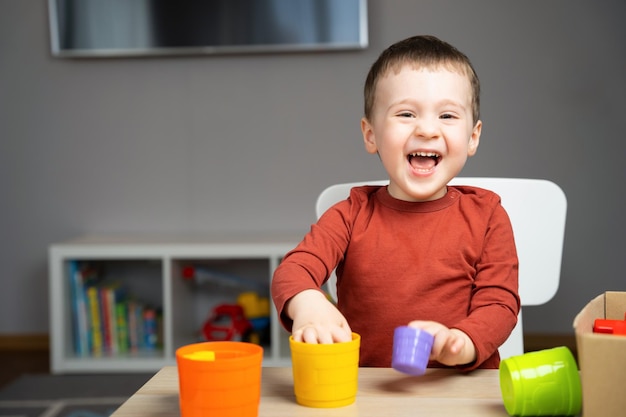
(542, 383)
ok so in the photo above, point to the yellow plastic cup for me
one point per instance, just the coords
(325, 375)
(221, 379)
(542, 383)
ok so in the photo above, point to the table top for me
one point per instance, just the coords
(382, 391)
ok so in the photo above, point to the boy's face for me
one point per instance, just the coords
(421, 127)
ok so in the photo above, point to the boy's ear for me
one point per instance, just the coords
(368, 136)
(474, 139)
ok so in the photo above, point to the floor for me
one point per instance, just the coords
(28, 390)
(15, 363)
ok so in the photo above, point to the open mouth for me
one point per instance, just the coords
(423, 161)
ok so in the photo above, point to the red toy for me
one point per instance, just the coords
(227, 322)
(610, 326)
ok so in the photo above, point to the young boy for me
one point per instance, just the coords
(416, 252)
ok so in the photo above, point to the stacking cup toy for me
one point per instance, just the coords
(325, 375)
(411, 350)
(221, 379)
(542, 383)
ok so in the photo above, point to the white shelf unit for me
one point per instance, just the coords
(151, 268)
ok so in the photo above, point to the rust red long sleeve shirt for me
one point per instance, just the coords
(452, 260)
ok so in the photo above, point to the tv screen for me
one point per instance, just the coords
(105, 28)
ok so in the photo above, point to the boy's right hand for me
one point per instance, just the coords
(317, 320)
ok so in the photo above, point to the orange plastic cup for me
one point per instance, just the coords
(219, 379)
(325, 375)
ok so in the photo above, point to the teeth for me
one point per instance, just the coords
(425, 154)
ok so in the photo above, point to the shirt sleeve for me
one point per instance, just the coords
(310, 263)
(495, 302)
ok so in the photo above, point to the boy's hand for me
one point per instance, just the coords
(317, 320)
(451, 346)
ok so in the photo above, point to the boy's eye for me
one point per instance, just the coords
(405, 114)
(447, 116)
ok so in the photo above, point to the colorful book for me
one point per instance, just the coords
(105, 317)
(121, 316)
(80, 318)
(150, 329)
(135, 325)
(95, 326)
(110, 295)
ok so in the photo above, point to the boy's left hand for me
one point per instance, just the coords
(451, 346)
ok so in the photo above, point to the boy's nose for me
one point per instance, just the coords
(426, 128)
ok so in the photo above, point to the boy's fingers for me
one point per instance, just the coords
(341, 334)
(457, 345)
(297, 335)
(312, 334)
(309, 335)
(438, 346)
(325, 338)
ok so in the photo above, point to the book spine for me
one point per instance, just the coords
(135, 326)
(121, 314)
(111, 296)
(95, 321)
(150, 329)
(105, 317)
(79, 310)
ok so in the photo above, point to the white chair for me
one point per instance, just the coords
(537, 209)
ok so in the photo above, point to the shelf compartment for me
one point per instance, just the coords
(151, 268)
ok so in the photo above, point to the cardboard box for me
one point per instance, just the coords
(602, 357)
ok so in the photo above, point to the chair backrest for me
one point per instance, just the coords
(537, 209)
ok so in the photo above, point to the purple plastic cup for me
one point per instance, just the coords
(411, 349)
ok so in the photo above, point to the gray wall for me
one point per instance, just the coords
(243, 144)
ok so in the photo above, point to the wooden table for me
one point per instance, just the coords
(382, 392)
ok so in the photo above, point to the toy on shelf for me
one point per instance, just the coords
(257, 311)
(227, 323)
(247, 321)
(200, 275)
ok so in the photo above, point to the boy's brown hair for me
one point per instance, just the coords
(421, 52)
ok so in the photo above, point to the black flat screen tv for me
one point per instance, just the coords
(109, 28)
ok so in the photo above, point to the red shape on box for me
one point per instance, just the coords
(610, 326)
